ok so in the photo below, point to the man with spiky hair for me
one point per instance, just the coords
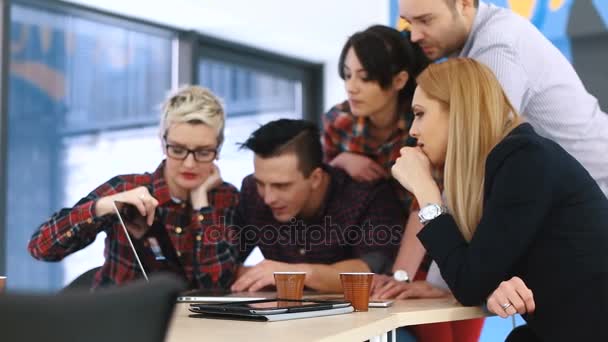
(307, 216)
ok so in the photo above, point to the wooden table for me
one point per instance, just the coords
(422, 311)
(357, 326)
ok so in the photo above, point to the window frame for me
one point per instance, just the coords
(308, 73)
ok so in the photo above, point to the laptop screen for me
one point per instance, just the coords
(153, 251)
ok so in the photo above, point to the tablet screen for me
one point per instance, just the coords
(277, 304)
(270, 305)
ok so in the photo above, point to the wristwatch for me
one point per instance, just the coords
(401, 276)
(430, 212)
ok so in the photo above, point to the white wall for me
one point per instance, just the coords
(314, 30)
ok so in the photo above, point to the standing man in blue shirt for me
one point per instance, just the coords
(539, 81)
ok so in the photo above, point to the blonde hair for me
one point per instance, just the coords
(480, 116)
(193, 104)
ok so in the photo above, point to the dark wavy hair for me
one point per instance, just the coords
(384, 52)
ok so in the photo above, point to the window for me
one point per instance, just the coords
(251, 98)
(83, 95)
(256, 87)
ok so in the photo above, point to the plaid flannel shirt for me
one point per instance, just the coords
(344, 132)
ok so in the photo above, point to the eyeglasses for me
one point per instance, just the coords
(181, 153)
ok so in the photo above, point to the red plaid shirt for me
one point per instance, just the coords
(344, 132)
(201, 238)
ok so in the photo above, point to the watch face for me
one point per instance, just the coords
(400, 275)
(430, 212)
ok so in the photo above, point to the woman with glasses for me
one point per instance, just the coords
(185, 195)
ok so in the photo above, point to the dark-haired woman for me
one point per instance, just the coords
(364, 134)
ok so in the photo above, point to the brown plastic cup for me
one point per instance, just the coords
(2, 284)
(290, 285)
(356, 288)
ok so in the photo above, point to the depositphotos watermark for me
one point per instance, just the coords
(302, 235)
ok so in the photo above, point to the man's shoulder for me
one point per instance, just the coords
(248, 180)
(362, 193)
(248, 187)
(359, 202)
(496, 18)
(498, 27)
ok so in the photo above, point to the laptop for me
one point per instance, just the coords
(154, 252)
(217, 296)
(270, 310)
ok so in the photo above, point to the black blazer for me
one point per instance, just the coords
(544, 220)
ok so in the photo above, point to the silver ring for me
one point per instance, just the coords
(505, 306)
(142, 197)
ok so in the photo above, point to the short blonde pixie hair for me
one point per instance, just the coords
(193, 104)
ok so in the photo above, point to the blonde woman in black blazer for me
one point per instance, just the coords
(518, 209)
